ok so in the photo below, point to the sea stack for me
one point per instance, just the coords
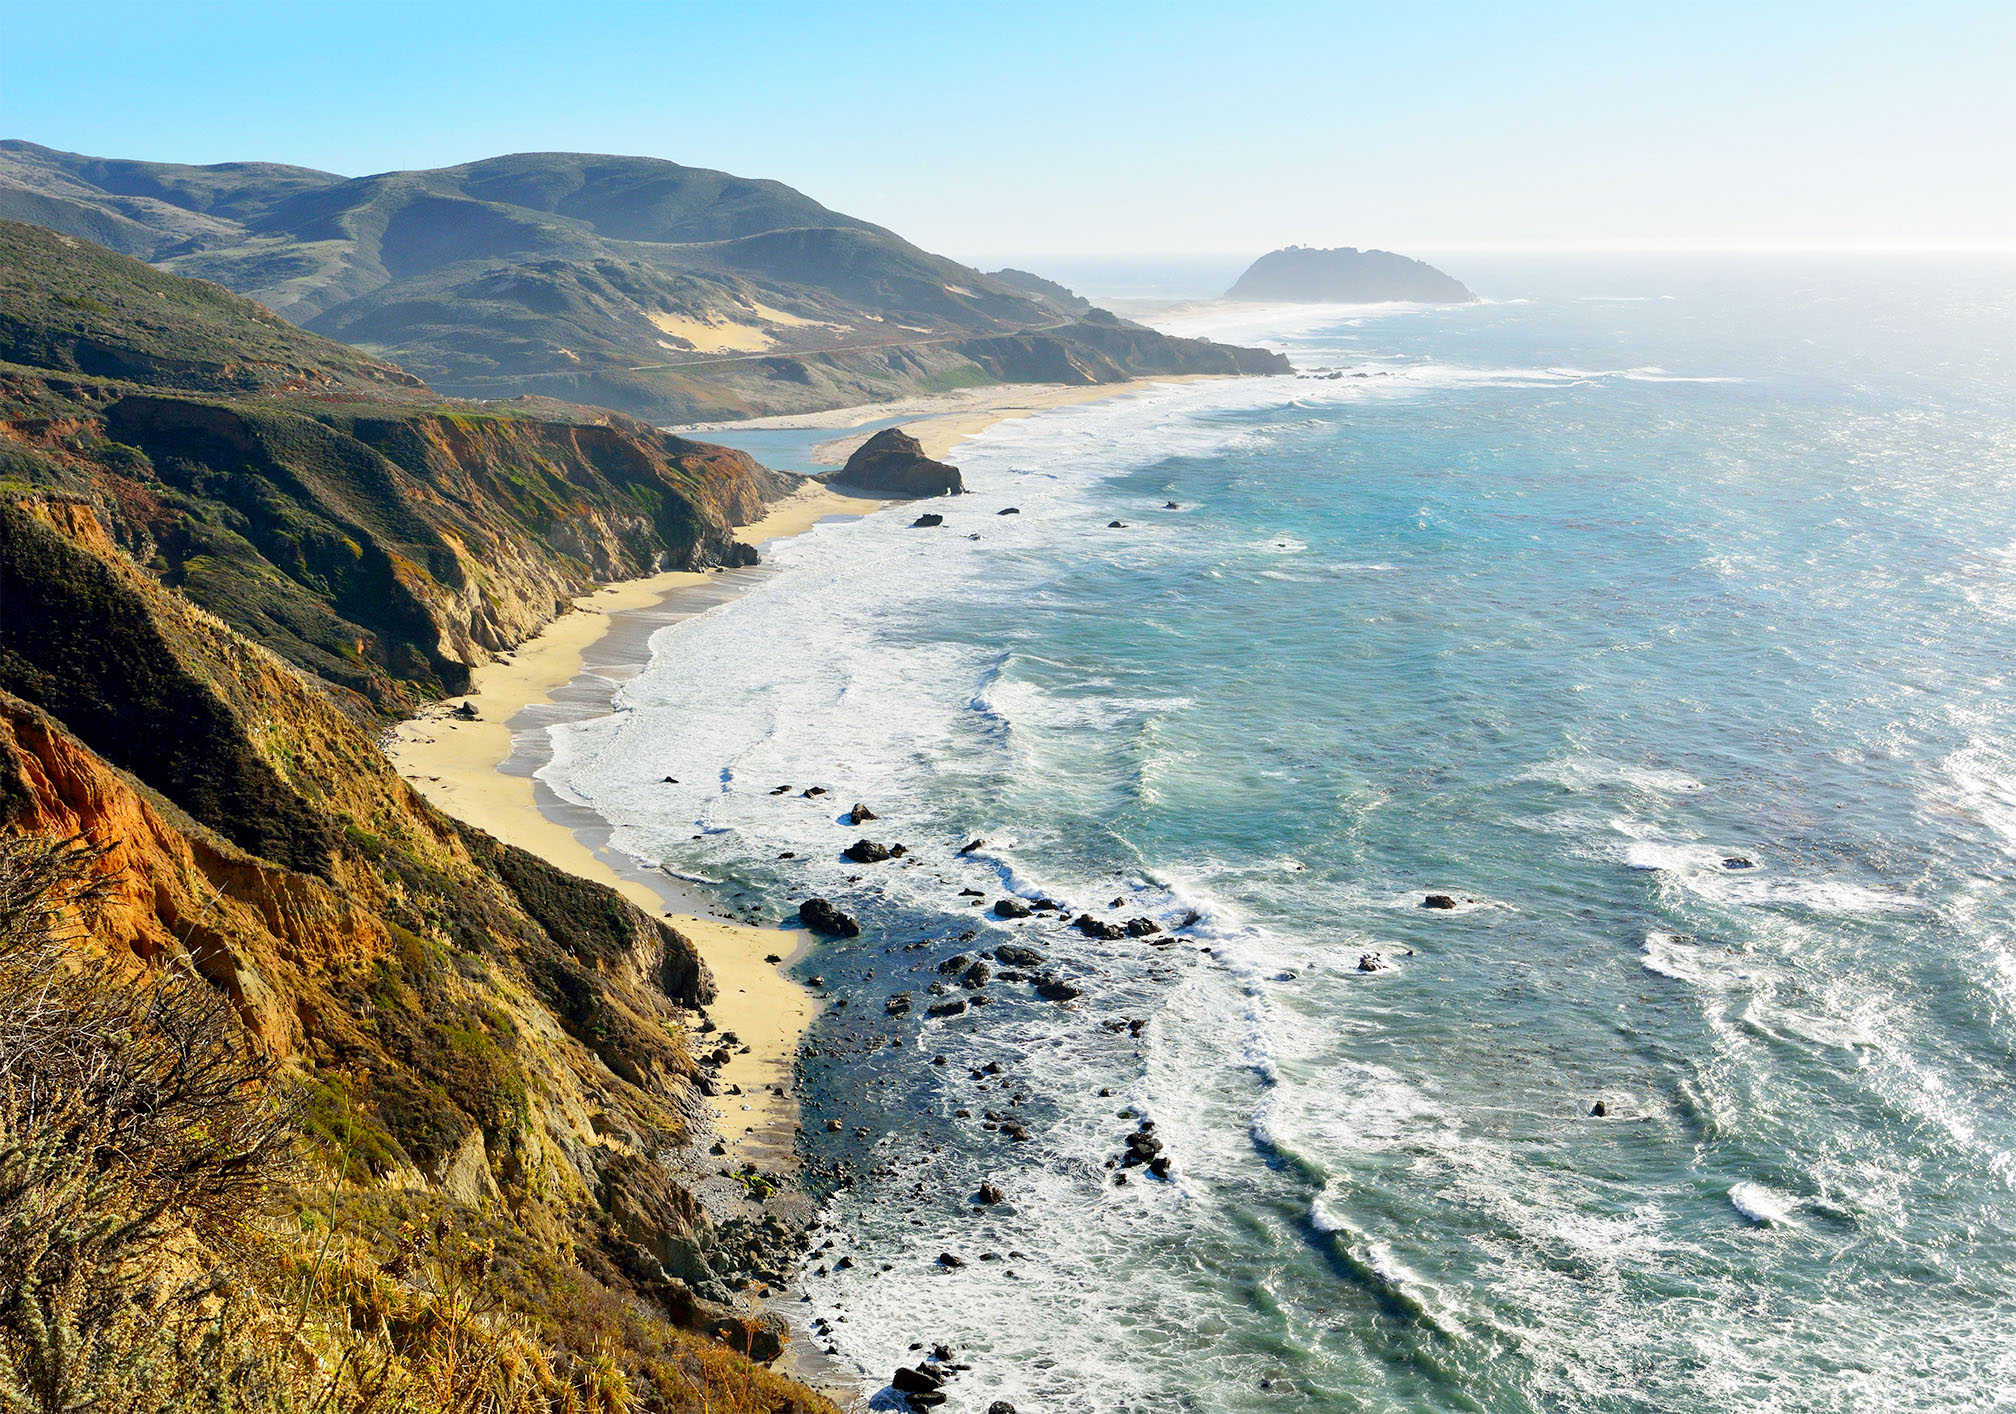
(893, 463)
(1305, 275)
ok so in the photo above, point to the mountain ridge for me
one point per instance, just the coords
(673, 293)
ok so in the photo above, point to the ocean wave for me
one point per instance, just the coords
(1761, 1205)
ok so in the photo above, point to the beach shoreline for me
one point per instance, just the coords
(482, 772)
(940, 421)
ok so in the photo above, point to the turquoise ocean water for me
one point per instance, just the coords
(1664, 614)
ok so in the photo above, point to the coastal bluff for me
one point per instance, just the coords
(1306, 275)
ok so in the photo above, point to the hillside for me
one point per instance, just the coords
(473, 1072)
(474, 1041)
(1305, 275)
(673, 293)
(327, 505)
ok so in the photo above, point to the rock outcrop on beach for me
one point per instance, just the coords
(475, 1043)
(892, 463)
(329, 505)
(672, 293)
(1305, 275)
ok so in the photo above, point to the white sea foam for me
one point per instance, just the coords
(1458, 1210)
(1761, 1205)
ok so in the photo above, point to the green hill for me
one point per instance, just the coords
(666, 291)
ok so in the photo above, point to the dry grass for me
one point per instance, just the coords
(158, 1254)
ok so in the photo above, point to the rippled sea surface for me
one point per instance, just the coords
(1660, 614)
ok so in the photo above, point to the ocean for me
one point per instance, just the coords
(1658, 612)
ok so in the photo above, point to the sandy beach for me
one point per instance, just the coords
(463, 767)
(940, 421)
(482, 771)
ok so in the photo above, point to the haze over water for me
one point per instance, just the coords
(1662, 611)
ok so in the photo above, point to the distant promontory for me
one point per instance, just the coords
(1305, 275)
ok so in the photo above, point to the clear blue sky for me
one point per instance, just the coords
(1000, 128)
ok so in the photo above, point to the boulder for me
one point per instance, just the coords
(1011, 908)
(1009, 511)
(866, 852)
(989, 1195)
(1142, 927)
(1015, 955)
(861, 815)
(970, 846)
(976, 976)
(893, 462)
(927, 521)
(944, 1009)
(909, 1381)
(1438, 901)
(822, 917)
(1096, 928)
(1056, 989)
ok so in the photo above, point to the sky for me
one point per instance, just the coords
(992, 130)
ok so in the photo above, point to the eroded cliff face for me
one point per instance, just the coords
(388, 550)
(464, 1018)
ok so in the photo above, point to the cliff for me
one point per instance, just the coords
(1305, 275)
(473, 1034)
(325, 504)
